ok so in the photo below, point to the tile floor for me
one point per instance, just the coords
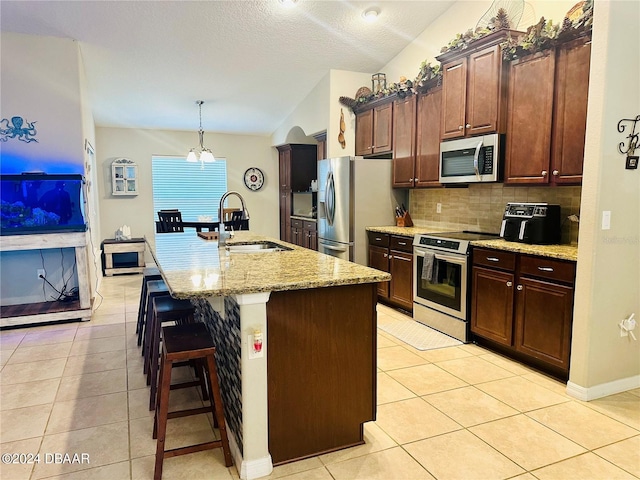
(452, 413)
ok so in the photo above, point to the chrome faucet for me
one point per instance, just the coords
(222, 234)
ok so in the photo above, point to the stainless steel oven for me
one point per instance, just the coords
(440, 291)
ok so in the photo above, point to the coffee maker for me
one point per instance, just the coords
(537, 223)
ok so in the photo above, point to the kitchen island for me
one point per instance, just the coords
(313, 383)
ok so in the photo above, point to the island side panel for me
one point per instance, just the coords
(226, 337)
(321, 369)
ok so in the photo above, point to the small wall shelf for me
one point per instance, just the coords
(124, 177)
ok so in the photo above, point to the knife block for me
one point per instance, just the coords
(404, 221)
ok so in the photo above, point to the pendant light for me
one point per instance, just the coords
(205, 155)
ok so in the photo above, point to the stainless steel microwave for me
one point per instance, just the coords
(471, 160)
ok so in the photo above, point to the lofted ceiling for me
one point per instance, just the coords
(252, 62)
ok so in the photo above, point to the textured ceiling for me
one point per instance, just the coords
(252, 62)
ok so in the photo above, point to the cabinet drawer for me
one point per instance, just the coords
(310, 226)
(296, 223)
(548, 268)
(404, 244)
(494, 258)
(379, 239)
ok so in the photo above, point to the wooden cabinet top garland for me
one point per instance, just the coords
(541, 36)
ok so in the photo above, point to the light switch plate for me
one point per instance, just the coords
(606, 220)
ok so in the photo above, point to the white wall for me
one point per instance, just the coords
(41, 82)
(462, 16)
(241, 152)
(310, 116)
(608, 277)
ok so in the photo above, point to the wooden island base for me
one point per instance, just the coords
(321, 369)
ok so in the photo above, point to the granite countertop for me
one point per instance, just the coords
(401, 231)
(562, 252)
(193, 267)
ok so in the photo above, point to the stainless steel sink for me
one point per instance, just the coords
(257, 247)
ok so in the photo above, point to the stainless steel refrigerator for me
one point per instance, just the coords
(353, 194)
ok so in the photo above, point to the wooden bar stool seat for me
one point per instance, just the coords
(148, 274)
(189, 342)
(164, 309)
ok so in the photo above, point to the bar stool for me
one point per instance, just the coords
(187, 343)
(155, 288)
(164, 309)
(143, 308)
(148, 274)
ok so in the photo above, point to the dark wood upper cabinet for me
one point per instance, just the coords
(427, 169)
(529, 118)
(416, 140)
(298, 166)
(454, 98)
(474, 85)
(321, 138)
(404, 144)
(547, 115)
(374, 129)
(570, 111)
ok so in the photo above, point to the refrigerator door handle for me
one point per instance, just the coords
(330, 199)
(335, 249)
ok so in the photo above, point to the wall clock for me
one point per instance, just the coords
(254, 179)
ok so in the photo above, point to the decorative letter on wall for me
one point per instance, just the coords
(632, 143)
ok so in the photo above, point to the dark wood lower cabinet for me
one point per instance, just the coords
(393, 254)
(379, 259)
(321, 369)
(524, 307)
(492, 305)
(543, 321)
(401, 287)
(304, 233)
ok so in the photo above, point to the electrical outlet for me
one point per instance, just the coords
(41, 273)
(438, 208)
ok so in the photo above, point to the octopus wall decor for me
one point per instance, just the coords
(15, 129)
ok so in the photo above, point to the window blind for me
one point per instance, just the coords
(189, 187)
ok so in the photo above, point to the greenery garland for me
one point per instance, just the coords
(541, 36)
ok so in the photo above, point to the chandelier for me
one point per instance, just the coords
(204, 155)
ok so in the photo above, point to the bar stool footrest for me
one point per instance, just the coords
(188, 412)
(192, 449)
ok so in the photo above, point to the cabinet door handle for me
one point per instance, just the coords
(385, 255)
(415, 180)
(402, 243)
(519, 287)
(402, 258)
(493, 259)
(545, 269)
(468, 125)
(555, 173)
(378, 239)
(544, 173)
(509, 284)
(460, 127)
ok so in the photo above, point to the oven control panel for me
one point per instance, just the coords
(440, 242)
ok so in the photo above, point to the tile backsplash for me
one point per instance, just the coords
(480, 206)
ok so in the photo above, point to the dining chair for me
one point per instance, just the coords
(170, 221)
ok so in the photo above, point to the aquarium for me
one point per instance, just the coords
(41, 203)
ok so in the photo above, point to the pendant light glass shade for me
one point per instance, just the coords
(205, 155)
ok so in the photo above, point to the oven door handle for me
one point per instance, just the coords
(462, 260)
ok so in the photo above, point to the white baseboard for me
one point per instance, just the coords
(587, 394)
(250, 469)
